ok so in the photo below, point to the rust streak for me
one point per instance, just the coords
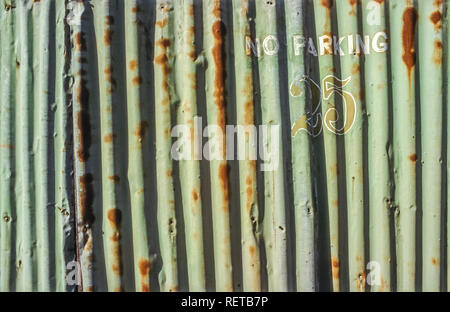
(409, 21)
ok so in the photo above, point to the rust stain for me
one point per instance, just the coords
(7, 146)
(435, 261)
(115, 217)
(437, 3)
(87, 199)
(83, 121)
(137, 80)
(194, 195)
(223, 177)
(436, 18)
(107, 38)
(80, 41)
(144, 269)
(163, 61)
(162, 23)
(437, 52)
(109, 20)
(413, 157)
(355, 69)
(334, 169)
(352, 2)
(108, 138)
(327, 3)
(136, 9)
(169, 172)
(379, 1)
(217, 52)
(141, 130)
(335, 267)
(409, 21)
(361, 281)
(114, 178)
(252, 250)
(133, 65)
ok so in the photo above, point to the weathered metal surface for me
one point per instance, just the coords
(324, 164)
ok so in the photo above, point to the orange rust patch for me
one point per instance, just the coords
(162, 23)
(163, 61)
(352, 2)
(435, 261)
(133, 64)
(169, 172)
(437, 52)
(334, 169)
(223, 177)
(107, 37)
(114, 178)
(109, 20)
(409, 21)
(87, 199)
(327, 3)
(144, 269)
(141, 129)
(191, 10)
(80, 41)
(437, 3)
(115, 217)
(355, 69)
(335, 202)
(136, 9)
(413, 157)
(379, 1)
(137, 80)
(217, 52)
(436, 18)
(251, 250)
(7, 146)
(194, 195)
(335, 267)
(108, 138)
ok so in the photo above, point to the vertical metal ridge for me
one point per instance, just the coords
(353, 110)
(7, 147)
(106, 40)
(164, 104)
(301, 171)
(377, 103)
(215, 102)
(274, 224)
(403, 19)
(136, 131)
(431, 110)
(25, 246)
(323, 27)
(245, 115)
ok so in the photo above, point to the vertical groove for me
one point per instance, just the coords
(430, 61)
(136, 132)
(347, 16)
(164, 104)
(41, 15)
(377, 101)
(215, 102)
(274, 209)
(403, 17)
(323, 27)
(189, 166)
(112, 213)
(24, 127)
(301, 170)
(7, 146)
(250, 228)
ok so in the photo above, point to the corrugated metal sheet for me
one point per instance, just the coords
(347, 190)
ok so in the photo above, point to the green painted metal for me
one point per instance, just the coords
(347, 194)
